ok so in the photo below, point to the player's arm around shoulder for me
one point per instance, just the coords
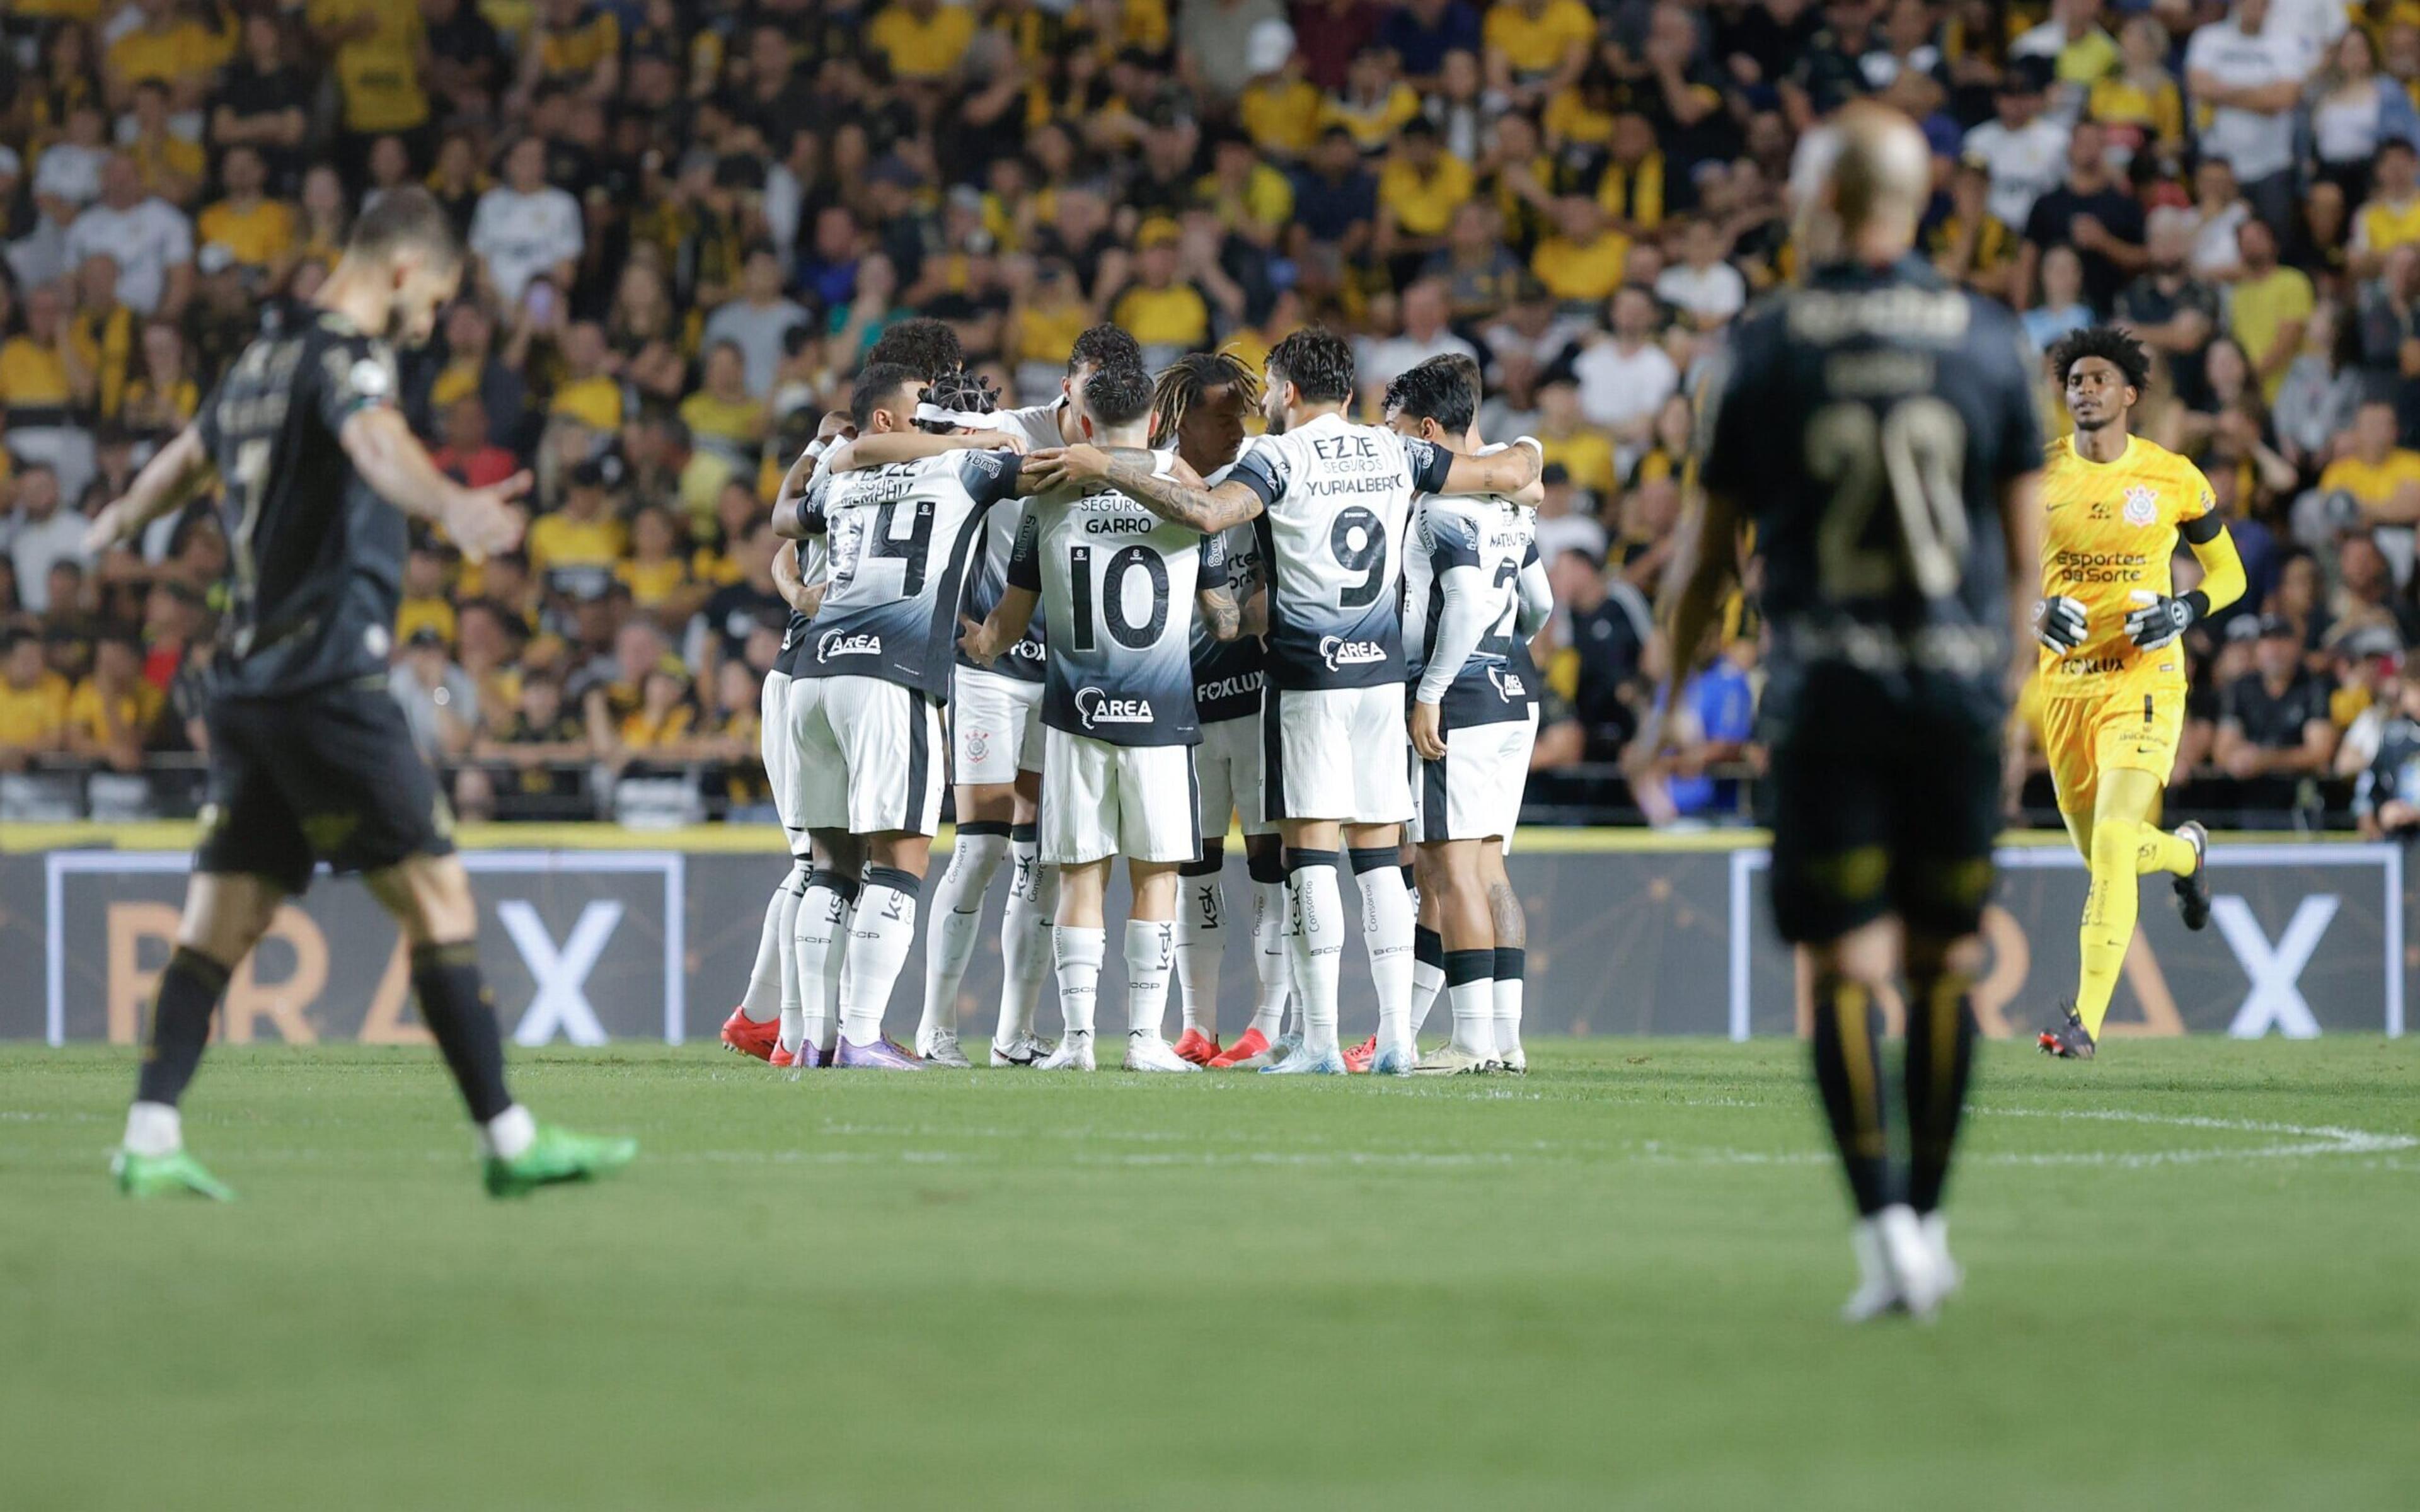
(1138, 474)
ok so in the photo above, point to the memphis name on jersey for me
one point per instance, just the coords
(1336, 499)
(1492, 539)
(901, 537)
(1227, 675)
(1118, 583)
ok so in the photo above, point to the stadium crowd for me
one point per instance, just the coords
(692, 217)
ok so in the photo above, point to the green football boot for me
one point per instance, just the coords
(146, 1176)
(557, 1155)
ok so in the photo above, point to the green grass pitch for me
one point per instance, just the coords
(2194, 1282)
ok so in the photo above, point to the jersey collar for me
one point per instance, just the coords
(2123, 457)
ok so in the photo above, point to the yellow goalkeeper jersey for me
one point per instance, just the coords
(2108, 532)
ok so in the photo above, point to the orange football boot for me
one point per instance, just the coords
(1356, 1059)
(1197, 1047)
(1250, 1043)
(750, 1038)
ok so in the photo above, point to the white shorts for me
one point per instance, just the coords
(1227, 764)
(1336, 753)
(995, 727)
(781, 752)
(1475, 792)
(867, 754)
(1098, 799)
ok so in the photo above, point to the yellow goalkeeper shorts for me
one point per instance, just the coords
(2133, 730)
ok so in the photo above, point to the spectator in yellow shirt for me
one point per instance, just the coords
(657, 573)
(1582, 262)
(1279, 108)
(2390, 218)
(1250, 198)
(378, 45)
(577, 546)
(33, 701)
(924, 40)
(168, 46)
(111, 713)
(1565, 436)
(167, 164)
(426, 604)
(1163, 310)
(2266, 307)
(722, 417)
(256, 230)
(578, 46)
(1419, 191)
(2383, 479)
(588, 391)
(1535, 49)
(1374, 103)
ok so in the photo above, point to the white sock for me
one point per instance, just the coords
(819, 936)
(508, 1133)
(1316, 946)
(794, 1016)
(957, 923)
(762, 999)
(1201, 936)
(1025, 947)
(1428, 977)
(1269, 914)
(1509, 977)
(1388, 920)
(1472, 992)
(1151, 949)
(1078, 953)
(154, 1129)
(879, 934)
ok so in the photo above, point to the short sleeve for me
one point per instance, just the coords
(1025, 556)
(355, 374)
(989, 476)
(1429, 464)
(1261, 470)
(1213, 570)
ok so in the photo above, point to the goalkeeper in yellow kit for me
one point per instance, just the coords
(2113, 673)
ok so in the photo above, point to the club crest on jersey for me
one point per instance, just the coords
(1507, 683)
(1340, 653)
(2142, 505)
(833, 643)
(1096, 709)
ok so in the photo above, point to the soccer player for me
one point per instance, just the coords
(1118, 716)
(1197, 407)
(1474, 594)
(1877, 428)
(996, 755)
(1330, 500)
(2113, 675)
(866, 701)
(309, 760)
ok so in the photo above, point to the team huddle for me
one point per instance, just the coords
(1128, 626)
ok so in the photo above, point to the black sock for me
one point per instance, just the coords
(1940, 1061)
(1428, 947)
(1848, 1073)
(456, 1006)
(1511, 964)
(189, 993)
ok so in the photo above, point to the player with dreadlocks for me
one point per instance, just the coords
(1198, 405)
(2112, 675)
(873, 673)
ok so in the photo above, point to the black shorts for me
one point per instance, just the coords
(1884, 815)
(328, 774)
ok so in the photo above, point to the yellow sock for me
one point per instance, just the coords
(2109, 910)
(2161, 851)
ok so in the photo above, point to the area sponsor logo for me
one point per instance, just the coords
(1340, 653)
(1097, 708)
(833, 643)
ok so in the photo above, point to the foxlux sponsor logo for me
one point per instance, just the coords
(1340, 653)
(1096, 709)
(1026, 651)
(833, 643)
(1227, 688)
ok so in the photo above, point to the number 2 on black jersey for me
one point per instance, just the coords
(1918, 448)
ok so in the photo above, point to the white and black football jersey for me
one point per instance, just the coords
(1337, 502)
(1475, 549)
(1118, 583)
(900, 540)
(1037, 426)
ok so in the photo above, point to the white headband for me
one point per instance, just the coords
(933, 414)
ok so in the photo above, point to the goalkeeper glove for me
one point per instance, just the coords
(2058, 623)
(2160, 619)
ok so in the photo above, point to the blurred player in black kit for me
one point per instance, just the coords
(1877, 429)
(309, 758)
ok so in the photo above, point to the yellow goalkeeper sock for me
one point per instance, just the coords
(2109, 910)
(2160, 851)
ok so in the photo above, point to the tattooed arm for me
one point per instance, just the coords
(1134, 473)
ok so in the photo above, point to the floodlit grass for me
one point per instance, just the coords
(2194, 1281)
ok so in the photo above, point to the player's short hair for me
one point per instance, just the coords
(1105, 346)
(877, 385)
(1317, 362)
(926, 346)
(408, 216)
(2108, 343)
(1442, 388)
(960, 392)
(1119, 395)
(1188, 380)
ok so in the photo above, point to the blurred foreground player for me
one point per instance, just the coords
(2113, 675)
(1877, 428)
(309, 759)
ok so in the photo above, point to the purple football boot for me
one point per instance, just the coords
(882, 1055)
